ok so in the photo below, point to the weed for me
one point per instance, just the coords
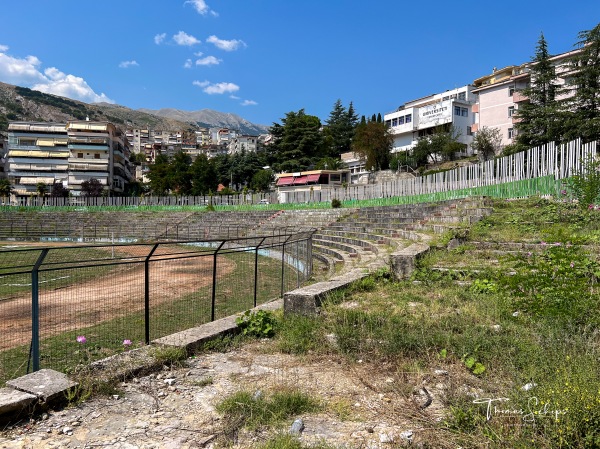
(287, 441)
(260, 324)
(168, 355)
(244, 409)
(298, 334)
(483, 286)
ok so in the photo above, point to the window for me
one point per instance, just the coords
(511, 111)
(464, 112)
(511, 133)
(408, 118)
(80, 155)
(96, 156)
(394, 122)
(469, 131)
(511, 91)
(457, 110)
(400, 120)
(445, 98)
(462, 96)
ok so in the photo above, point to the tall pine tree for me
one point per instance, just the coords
(585, 99)
(340, 129)
(540, 119)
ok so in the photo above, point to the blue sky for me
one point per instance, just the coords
(263, 58)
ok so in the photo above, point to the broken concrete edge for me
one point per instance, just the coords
(44, 388)
(308, 300)
(404, 262)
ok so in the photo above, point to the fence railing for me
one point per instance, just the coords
(117, 295)
(559, 161)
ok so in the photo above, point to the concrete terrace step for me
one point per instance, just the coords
(374, 229)
(360, 235)
(345, 239)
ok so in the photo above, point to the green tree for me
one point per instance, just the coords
(487, 143)
(340, 129)
(330, 163)
(92, 188)
(585, 99)
(159, 175)
(59, 190)
(441, 144)
(180, 178)
(203, 176)
(261, 180)
(373, 141)
(297, 142)
(6, 189)
(540, 118)
(41, 188)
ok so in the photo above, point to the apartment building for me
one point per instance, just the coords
(499, 94)
(67, 153)
(450, 110)
(36, 153)
(97, 150)
(241, 142)
(357, 166)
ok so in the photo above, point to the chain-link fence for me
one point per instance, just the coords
(65, 306)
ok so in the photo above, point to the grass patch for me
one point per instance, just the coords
(254, 411)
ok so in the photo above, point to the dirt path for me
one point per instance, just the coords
(110, 296)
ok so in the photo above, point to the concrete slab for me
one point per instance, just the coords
(12, 400)
(191, 339)
(45, 384)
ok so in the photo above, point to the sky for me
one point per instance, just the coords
(263, 58)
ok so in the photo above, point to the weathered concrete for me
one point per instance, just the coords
(12, 400)
(190, 339)
(45, 384)
(404, 262)
(307, 300)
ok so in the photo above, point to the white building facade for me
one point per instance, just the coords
(450, 111)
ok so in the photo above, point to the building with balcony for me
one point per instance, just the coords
(36, 153)
(243, 142)
(499, 94)
(356, 165)
(447, 111)
(68, 154)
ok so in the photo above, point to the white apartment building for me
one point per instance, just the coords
(243, 142)
(357, 166)
(451, 110)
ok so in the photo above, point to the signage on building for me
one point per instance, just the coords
(435, 114)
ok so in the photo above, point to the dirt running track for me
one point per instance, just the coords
(113, 295)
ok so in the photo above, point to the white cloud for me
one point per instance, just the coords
(226, 45)
(159, 38)
(3, 48)
(217, 88)
(70, 86)
(183, 38)
(233, 97)
(248, 103)
(20, 71)
(209, 60)
(198, 53)
(188, 64)
(202, 8)
(127, 64)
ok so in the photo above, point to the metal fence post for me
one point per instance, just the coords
(35, 310)
(256, 270)
(147, 294)
(283, 265)
(213, 300)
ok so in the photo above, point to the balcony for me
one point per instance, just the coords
(518, 97)
(88, 147)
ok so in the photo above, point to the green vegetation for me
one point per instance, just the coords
(523, 328)
(260, 324)
(253, 411)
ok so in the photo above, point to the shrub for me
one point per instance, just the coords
(259, 324)
(335, 203)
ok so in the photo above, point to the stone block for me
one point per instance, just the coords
(45, 384)
(12, 400)
(404, 262)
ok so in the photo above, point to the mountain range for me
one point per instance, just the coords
(23, 104)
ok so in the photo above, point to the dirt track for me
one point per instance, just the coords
(110, 296)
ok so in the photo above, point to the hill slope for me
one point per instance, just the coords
(21, 103)
(210, 119)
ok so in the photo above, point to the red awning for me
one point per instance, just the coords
(300, 180)
(313, 178)
(285, 181)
